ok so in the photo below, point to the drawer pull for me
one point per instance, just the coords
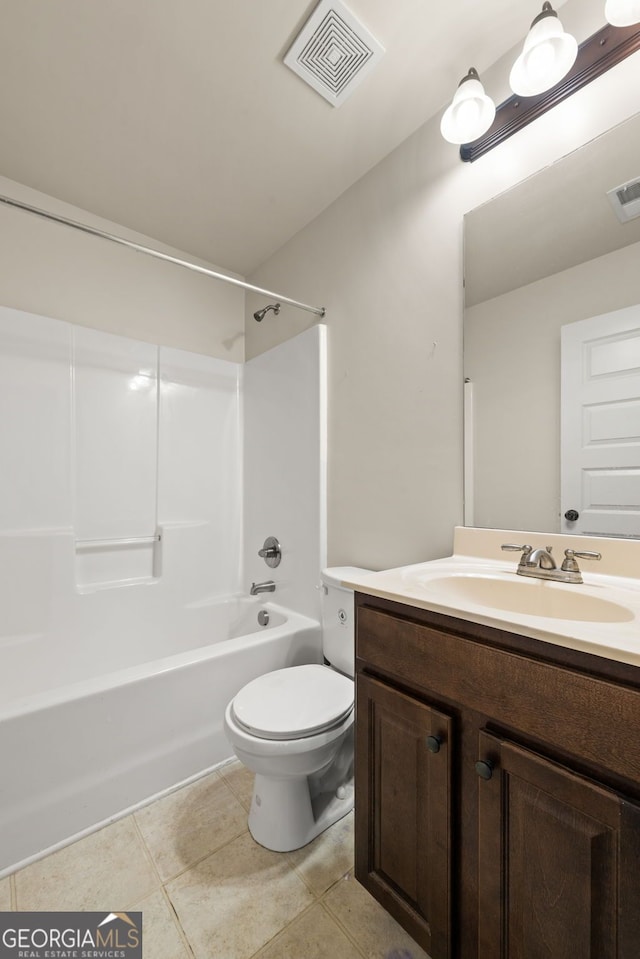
(434, 743)
(484, 769)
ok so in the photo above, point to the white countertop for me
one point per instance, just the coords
(440, 585)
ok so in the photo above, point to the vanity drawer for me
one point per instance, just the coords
(578, 714)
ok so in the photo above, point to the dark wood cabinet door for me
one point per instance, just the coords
(559, 861)
(403, 817)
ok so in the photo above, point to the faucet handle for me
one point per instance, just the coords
(271, 552)
(525, 550)
(571, 555)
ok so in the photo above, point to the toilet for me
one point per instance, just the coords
(294, 729)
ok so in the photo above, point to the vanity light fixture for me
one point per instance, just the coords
(548, 55)
(545, 43)
(622, 13)
(471, 112)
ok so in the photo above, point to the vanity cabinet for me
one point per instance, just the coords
(407, 795)
(497, 789)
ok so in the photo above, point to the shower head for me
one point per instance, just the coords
(259, 315)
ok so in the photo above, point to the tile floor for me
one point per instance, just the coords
(208, 891)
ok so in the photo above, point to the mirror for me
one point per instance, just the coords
(547, 253)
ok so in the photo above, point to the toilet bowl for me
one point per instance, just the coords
(293, 728)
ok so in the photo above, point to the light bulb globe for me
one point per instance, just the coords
(622, 13)
(547, 56)
(470, 114)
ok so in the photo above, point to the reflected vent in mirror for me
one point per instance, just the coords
(625, 200)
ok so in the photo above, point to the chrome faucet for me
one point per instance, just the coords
(267, 587)
(540, 558)
(540, 564)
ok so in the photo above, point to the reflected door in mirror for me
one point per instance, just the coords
(600, 470)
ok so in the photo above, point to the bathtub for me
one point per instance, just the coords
(84, 739)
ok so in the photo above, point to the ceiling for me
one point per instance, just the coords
(179, 119)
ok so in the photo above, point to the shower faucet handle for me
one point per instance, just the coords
(268, 552)
(271, 552)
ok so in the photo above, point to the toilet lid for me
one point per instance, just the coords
(295, 702)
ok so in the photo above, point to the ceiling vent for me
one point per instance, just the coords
(625, 200)
(333, 52)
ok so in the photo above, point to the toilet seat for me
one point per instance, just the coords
(294, 703)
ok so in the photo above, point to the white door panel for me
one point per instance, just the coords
(600, 424)
(607, 423)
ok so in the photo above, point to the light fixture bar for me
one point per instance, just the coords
(601, 51)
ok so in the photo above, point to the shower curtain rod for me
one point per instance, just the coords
(93, 231)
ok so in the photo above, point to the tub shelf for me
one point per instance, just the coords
(105, 563)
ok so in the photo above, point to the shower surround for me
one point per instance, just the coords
(123, 513)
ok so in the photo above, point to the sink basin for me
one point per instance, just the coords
(528, 597)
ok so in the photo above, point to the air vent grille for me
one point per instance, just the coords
(625, 200)
(333, 52)
(629, 193)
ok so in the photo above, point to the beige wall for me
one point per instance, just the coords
(386, 261)
(512, 356)
(59, 272)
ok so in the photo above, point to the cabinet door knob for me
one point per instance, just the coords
(572, 515)
(434, 743)
(484, 769)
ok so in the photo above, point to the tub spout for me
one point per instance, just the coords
(267, 587)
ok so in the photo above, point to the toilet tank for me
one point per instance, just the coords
(338, 619)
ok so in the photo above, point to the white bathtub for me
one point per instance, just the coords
(84, 738)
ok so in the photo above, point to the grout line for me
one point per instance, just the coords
(328, 915)
(304, 882)
(343, 929)
(345, 875)
(298, 867)
(348, 877)
(235, 793)
(350, 935)
(202, 859)
(177, 922)
(281, 932)
(174, 916)
(147, 854)
(198, 862)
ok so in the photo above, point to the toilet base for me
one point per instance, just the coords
(285, 815)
